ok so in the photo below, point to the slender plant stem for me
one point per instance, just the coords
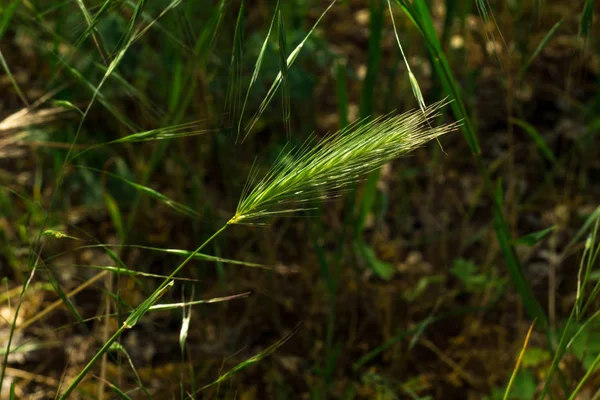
(137, 314)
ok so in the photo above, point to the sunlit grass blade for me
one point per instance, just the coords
(518, 364)
(177, 252)
(167, 133)
(278, 78)
(314, 172)
(186, 317)
(253, 360)
(285, 84)
(234, 86)
(414, 84)
(172, 306)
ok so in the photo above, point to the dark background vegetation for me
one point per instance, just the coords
(418, 301)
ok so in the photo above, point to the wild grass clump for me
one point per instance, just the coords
(305, 174)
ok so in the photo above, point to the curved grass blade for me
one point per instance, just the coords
(12, 80)
(118, 347)
(537, 138)
(181, 208)
(253, 360)
(540, 46)
(516, 369)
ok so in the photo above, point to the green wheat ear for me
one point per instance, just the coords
(316, 171)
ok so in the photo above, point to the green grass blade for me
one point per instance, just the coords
(102, 99)
(538, 139)
(534, 238)
(178, 252)
(115, 215)
(118, 347)
(587, 16)
(275, 85)
(583, 380)
(253, 360)
(367, 100)
(540, 46)
(533, 308)
(181, 208)
(341, 86)
(256, 71)
(285, 82)
(6, 16)
(88, 20)
(414, 84)
(93, 21)
(120, 394)
(234, 86)
(12, 80)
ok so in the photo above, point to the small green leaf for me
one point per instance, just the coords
(382, 269)
(66, 104)
(533, 238)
